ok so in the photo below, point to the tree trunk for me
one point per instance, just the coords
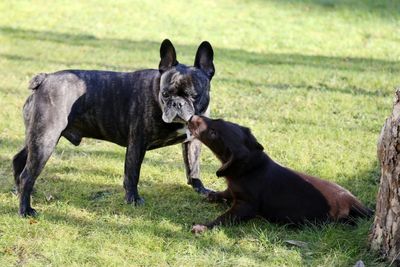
(385, 234)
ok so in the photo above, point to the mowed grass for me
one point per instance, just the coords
(313, 79)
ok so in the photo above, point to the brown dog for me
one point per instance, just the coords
(258, 186)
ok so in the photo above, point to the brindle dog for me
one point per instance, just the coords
(258, 186)
(139, 110)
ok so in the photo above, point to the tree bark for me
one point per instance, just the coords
(385, 234)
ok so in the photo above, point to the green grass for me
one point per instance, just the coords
(313, 79)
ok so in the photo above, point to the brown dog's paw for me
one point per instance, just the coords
(198, 229)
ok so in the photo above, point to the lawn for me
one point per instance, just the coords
(313, 79)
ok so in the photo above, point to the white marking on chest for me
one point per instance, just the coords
(182, 130)
(185, 130)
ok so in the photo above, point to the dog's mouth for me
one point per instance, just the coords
(179, 110)
(193, 126)
(178, 118)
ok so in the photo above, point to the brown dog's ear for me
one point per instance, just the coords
(235, 164)
(251, 141)
(204, 59)
(259, 146)
(167, 55)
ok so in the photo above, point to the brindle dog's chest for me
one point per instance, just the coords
(171, 137)
(159, 137)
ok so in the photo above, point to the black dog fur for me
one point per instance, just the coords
(258, 186)
(139, 110)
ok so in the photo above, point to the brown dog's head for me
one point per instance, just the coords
(184, 90)
(233, 144)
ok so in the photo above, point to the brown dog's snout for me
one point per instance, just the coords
(196, 125)
(193, 123)
(195, 119)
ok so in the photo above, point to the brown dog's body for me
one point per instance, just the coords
(258, 186)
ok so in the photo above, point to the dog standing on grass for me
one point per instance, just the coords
(258, 186)
(139, 110)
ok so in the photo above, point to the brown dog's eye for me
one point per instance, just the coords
(212, 133)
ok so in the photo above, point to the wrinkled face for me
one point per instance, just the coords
(184, 92)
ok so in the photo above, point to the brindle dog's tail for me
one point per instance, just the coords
(36, 81)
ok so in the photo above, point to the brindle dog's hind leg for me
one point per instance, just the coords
(19, 162)
(43, 132)
(42, 141)
(19, 159)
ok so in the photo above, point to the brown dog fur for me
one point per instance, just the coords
(258, 186)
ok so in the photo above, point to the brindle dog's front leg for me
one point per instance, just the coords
(133, 160)
(191, 156)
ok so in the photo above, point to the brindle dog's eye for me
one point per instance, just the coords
(165, 94)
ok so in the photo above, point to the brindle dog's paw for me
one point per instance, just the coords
(139, 201)
(134, 199)
(15, 190)
(203, 191)
(199, 187)
(198, 229)
(27, 212)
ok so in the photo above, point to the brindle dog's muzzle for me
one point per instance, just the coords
(178, 110)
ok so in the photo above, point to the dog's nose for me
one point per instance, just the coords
(193, 123)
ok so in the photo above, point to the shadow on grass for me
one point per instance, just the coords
(176, 203)
(229, 55)
(155, 191)
(19, 58)
(364, 184)
(149, 227)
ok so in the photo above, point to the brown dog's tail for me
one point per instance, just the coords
(358, 210)
(36, 81)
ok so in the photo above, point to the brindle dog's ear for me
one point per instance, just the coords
(204, 59)
(235, 165)
(167, 55)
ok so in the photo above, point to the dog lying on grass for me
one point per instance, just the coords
(258, 186)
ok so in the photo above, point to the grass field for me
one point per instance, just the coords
(313, 79)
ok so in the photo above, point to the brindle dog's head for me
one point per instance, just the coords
(184, 90)
(231, 143)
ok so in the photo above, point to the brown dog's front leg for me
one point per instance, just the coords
(220, 196)
(239, 212)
